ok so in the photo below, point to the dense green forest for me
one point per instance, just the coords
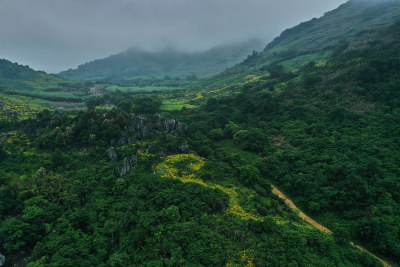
(129, 182)
(77, 191)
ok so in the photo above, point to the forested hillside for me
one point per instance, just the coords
(24, 92)
(310, 40)
(110, 188)
(136, 62)
(127, 182)
(326, 133)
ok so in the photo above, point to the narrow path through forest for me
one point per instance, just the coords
(319, 226)
(168, 169)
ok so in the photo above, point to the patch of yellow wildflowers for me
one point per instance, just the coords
(17, 106)
(189, 165)
(320, 64)
(246, 259)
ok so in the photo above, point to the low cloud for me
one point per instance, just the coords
(55, 35)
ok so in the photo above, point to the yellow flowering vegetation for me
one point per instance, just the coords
(184, 167)
(320, 63)
(247, 257)
(17, 106)
(142, 151)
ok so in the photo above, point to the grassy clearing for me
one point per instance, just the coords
(168, 105)
(294, 64)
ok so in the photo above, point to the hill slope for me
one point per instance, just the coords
(193, 187)
(18, 77)
(21, 80)
(342, 23)
(312, 39)
(325, 123)
(136, 62)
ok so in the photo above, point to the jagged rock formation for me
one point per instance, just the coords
(145, 127)
(112, 155)
(127, 165)
(172, 125)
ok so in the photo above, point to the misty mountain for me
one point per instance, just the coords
(193, 177)
(15, 71)
(16, 77)
(137, 62)
(346, 21)
(322, 86)
(343, 25)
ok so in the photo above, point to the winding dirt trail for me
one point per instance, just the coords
(314, 223)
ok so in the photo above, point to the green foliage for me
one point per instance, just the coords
(216, 134)
(253, 140)
(35, 88)
(248, 175)
(81, 213)
(3, 154)
(323, 126)
(146, 105)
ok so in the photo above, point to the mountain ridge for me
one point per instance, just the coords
(138, 62)
(322, 34)
(125, 183)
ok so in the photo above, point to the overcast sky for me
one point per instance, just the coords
(54, 35)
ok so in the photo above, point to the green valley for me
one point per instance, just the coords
(289, 158)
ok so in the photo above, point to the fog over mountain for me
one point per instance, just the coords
(55, 35)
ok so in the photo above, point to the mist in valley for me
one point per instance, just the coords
(55, 35)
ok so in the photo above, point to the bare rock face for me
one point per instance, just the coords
(144, 124)
(2, 259)
(144, 127)
(169, 125)
(127, 165)
(173, 125)
(112, 155)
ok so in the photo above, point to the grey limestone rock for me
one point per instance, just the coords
(144, 124)
(112, 155)
(147, 127)
(127, 164)
(173, 125)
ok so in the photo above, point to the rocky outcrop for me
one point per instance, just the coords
(173, 125)
(127, 165)
(112, 155)
(2, 259)
(145, 127)
(144, 124)
(141, 127)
